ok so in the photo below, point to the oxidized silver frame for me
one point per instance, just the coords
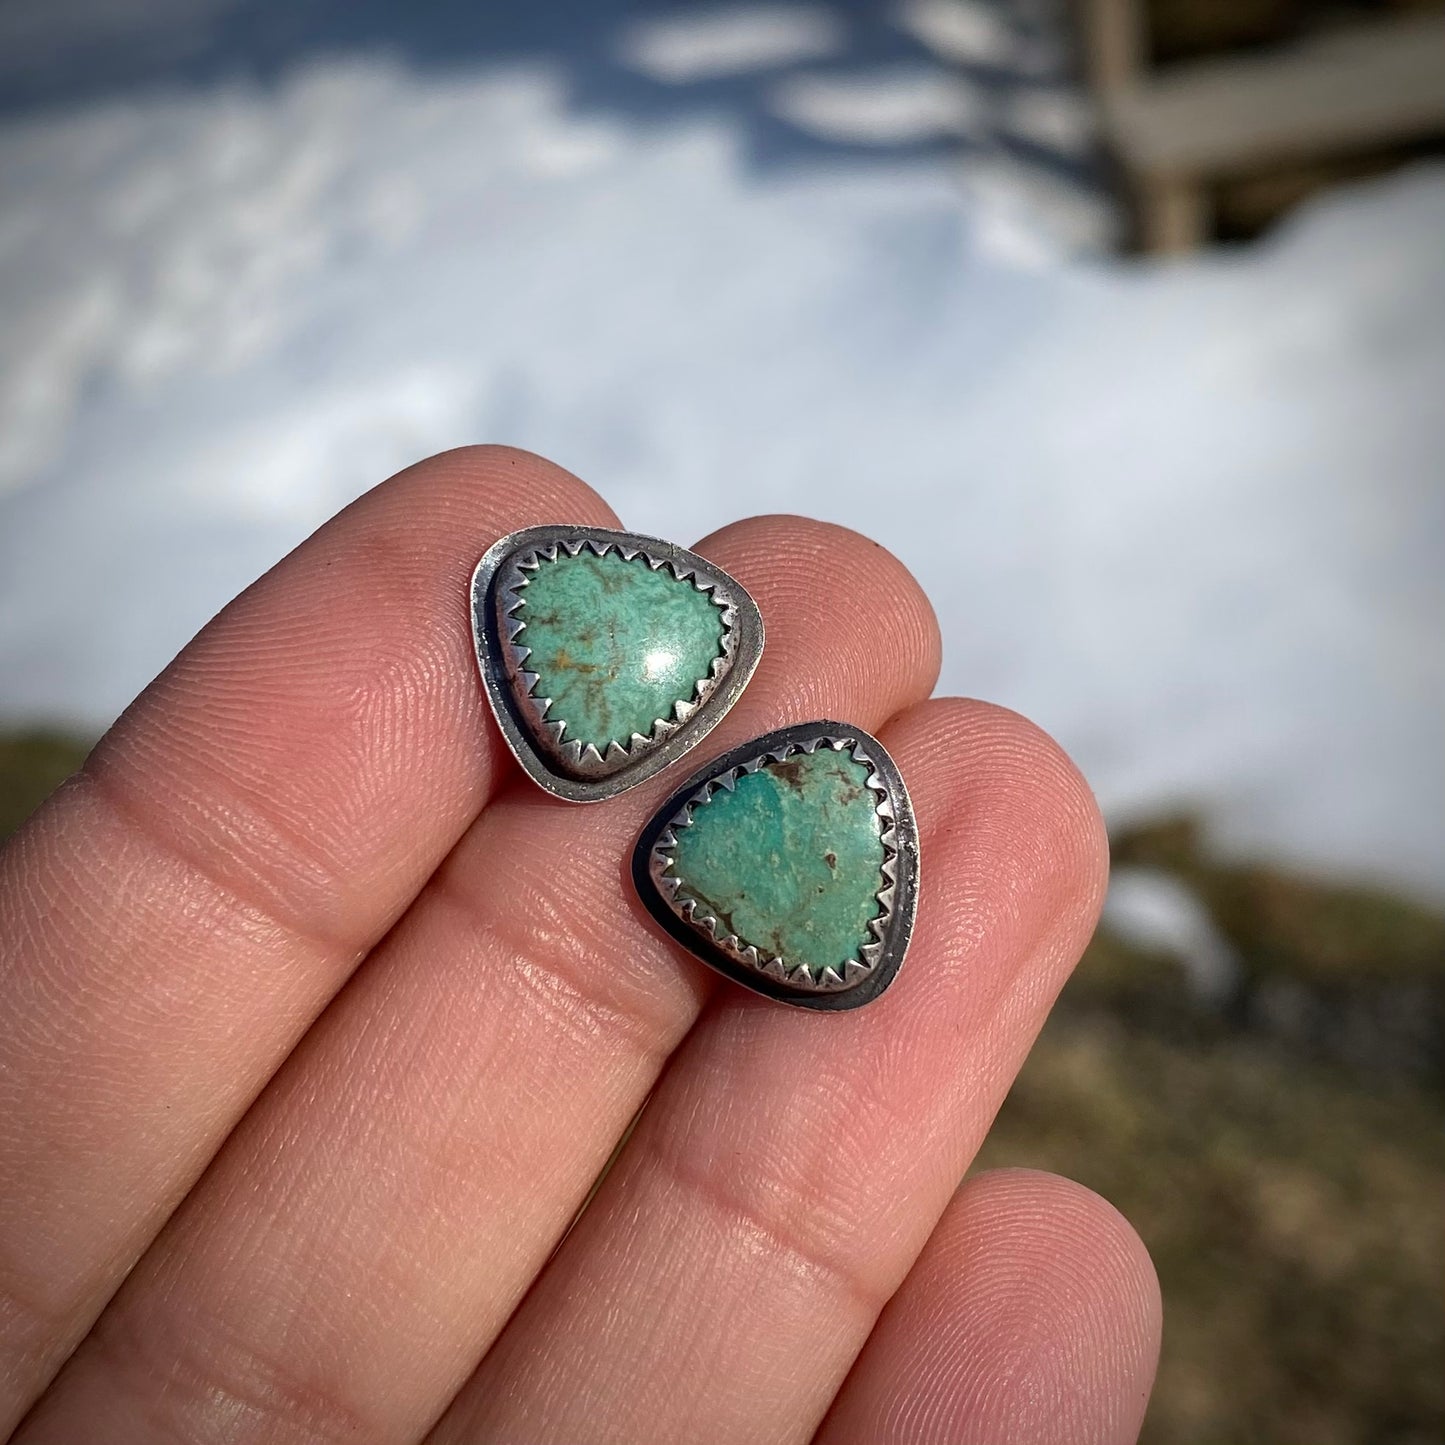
(565, 767)
(861, 979)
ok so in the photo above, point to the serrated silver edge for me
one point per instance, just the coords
(490, 643)
(584, 760)
(796, 975)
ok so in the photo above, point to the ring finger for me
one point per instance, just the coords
(791, 1165)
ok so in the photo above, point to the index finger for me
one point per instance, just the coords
(177, 915)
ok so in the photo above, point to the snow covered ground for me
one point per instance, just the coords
(1190, 517)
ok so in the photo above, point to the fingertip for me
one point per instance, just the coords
(328, 726)
(1064, 1243)
(986, 769)
(1032, 1317)
(837, 585)
(487, 481)
(1062, 1292)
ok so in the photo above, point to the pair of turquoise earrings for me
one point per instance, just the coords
(789, 864)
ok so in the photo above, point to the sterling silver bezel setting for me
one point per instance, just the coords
(565, 767)
(861, 979)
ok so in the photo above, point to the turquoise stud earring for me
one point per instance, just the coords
(607, 656)
(790, 864)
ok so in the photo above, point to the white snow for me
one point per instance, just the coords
(703, 44)
(1157, 911)
(888, 107)
(1190, 517)
(962, 30)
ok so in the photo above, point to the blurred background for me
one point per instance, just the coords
(1122, 322)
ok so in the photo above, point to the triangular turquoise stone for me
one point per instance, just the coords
(790, 860)
(615, 643)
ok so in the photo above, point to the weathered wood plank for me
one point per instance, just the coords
(1368, 85)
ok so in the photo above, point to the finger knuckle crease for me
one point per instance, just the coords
(774, 1228)
(199, 1379)
(263, 903)
(552, 969)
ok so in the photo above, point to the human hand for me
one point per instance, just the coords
(318, 1022)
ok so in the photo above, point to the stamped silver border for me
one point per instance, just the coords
(563, 766)
(862, 978)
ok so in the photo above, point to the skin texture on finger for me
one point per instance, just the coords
(1031, 1318)
(177, 915)
(377, 1215)
(790, 1165)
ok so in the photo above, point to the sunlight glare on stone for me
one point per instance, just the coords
(658, 663)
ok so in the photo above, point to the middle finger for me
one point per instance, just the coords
(375, 1218)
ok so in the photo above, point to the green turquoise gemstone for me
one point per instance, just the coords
(616, 644)
(790, 860)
